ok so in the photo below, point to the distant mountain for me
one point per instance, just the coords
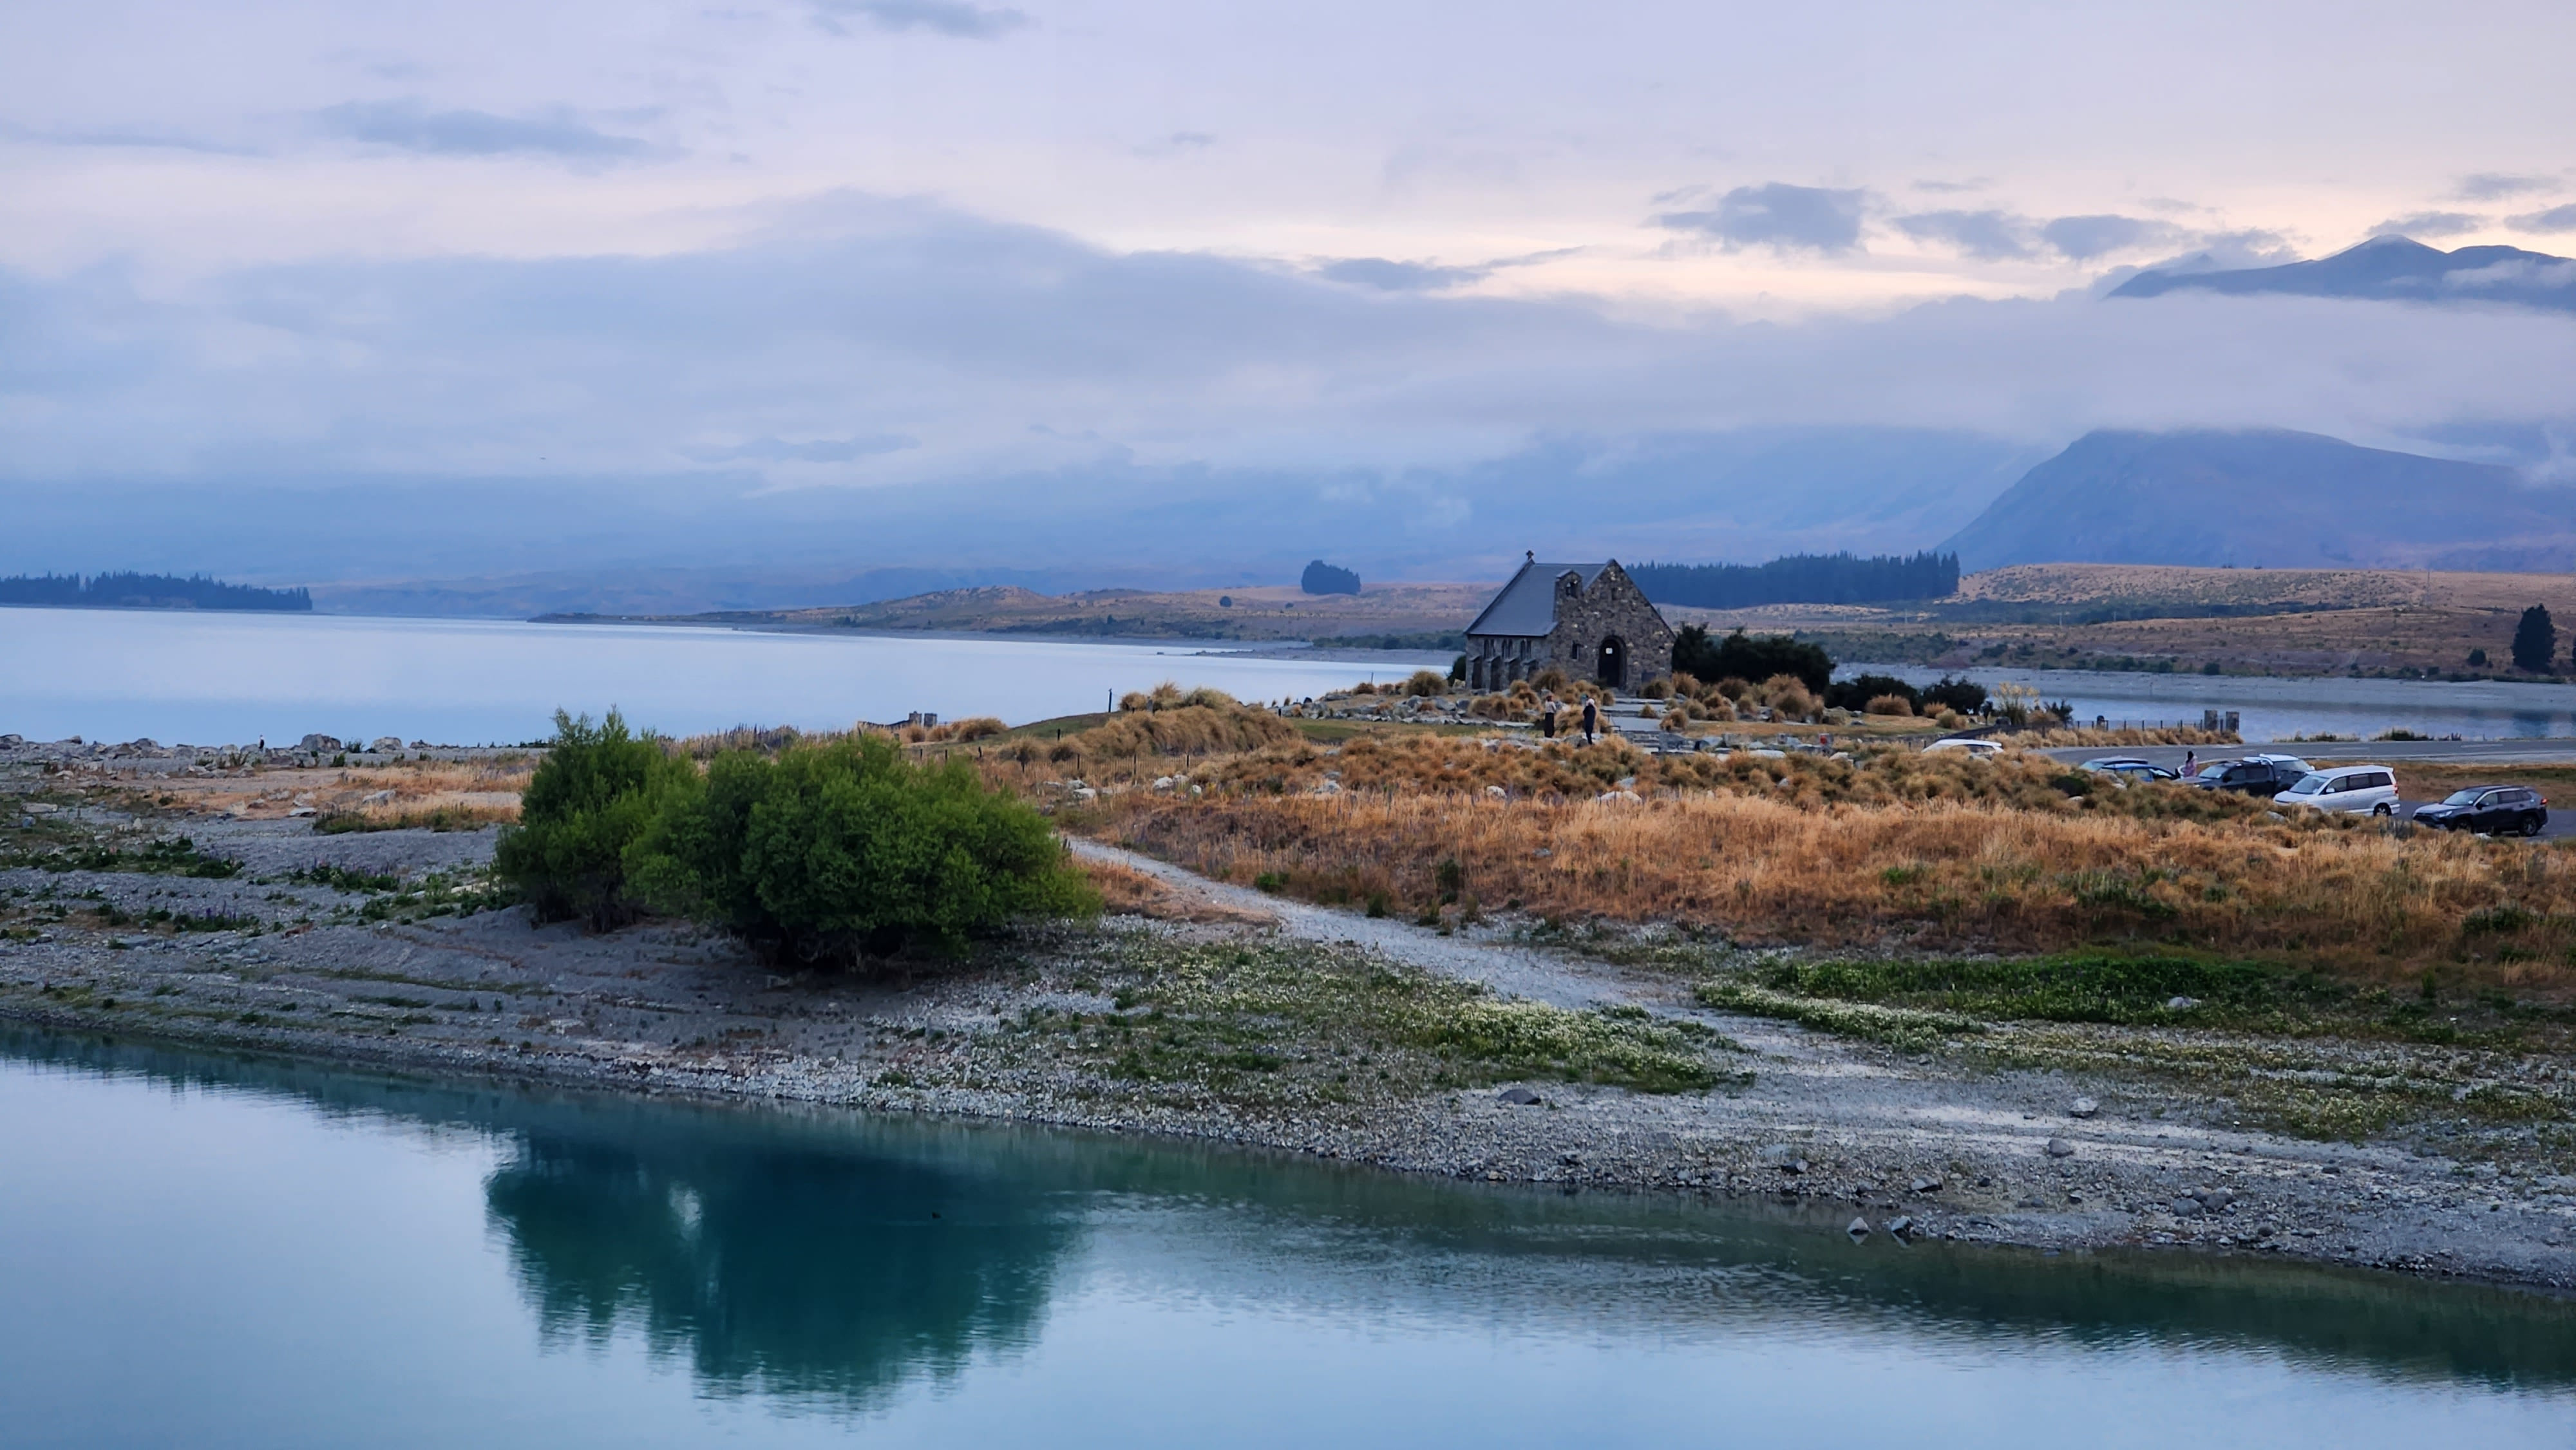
(2389, 269)
(2271, 499)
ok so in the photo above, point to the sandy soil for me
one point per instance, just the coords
(298, 964)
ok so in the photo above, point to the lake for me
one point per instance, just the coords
(2276, 709)
(208, 1251)
(210, 678)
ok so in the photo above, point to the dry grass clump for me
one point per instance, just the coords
(1142, 740)
(973, 727)
(1888, 705)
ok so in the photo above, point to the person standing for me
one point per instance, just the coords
(1547, 716)
(1591, 718)
(2189, 758)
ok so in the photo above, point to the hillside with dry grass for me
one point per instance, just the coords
(2242, 621)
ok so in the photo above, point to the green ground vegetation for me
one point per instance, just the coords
(1286, 1024)
(2276, 1045)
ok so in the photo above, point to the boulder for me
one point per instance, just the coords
(1519, 1097)
(1927, 1185)
(1859, 1228)
(319, 744)
(2181, 1004)
(2082, 1108)
(385, 745)
(1784, 1158)
(2060, 1148)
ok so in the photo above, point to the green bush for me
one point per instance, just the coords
(839, 852)
(597, 793)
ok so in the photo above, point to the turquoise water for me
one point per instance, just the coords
(207, 1252)
(220, 679)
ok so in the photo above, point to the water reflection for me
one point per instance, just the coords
(823, 1257)
(770, 1264)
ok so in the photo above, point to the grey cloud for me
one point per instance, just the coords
(2495, 186)
(2517, 274)
(909, 321)
(2085, 237)
(1985, 235)
(815, 450)
(119, 136)
(939, 17)
(1177, 144)
(2556, 219)
(2429, 224)
(1386, 275)
(1777, 214)
(1974, 183)
(412, 126)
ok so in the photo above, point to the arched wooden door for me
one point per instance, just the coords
(1614, 663)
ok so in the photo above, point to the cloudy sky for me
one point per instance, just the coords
(843, 244)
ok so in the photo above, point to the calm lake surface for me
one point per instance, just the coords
(209, 678)
(204, 1251)
(2275, 709)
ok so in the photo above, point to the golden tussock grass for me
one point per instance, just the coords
(1895, 850)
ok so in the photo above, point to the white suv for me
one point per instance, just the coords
(2352, 789)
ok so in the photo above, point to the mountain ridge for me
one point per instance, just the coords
(2387, 269)
(2270, 498)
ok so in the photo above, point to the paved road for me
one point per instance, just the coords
(2396, 753)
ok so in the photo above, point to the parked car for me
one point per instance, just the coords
(2262, 775)
(1978, 748)
(2489, 810)
(2350, 789)
(2131, 769)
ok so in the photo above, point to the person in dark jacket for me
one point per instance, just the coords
(1591, 718)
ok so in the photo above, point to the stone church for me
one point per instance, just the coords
(1589, 620)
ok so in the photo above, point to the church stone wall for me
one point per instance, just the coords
(1613, 606)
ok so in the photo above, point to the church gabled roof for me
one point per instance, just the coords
(1527, 605)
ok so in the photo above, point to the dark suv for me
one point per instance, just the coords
(2489, 810)
(2263, 775)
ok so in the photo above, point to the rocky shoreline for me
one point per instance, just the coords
(380, 949)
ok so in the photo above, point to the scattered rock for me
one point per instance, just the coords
(2181, 1004)
(2082, 1108)
(2188, 1207)
(1859, 1228)
(1784, 1158)
(1900, 1226)
(1927, 1185)
(2060, 1148)
(1519, 1097)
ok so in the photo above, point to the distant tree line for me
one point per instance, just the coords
(148, 591)
(1323, 578)
(1801, 579)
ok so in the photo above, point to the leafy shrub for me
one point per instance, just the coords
(839, 852)
(597, 793)
(1965, 696)
(1750, 657)
(1858, 692)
